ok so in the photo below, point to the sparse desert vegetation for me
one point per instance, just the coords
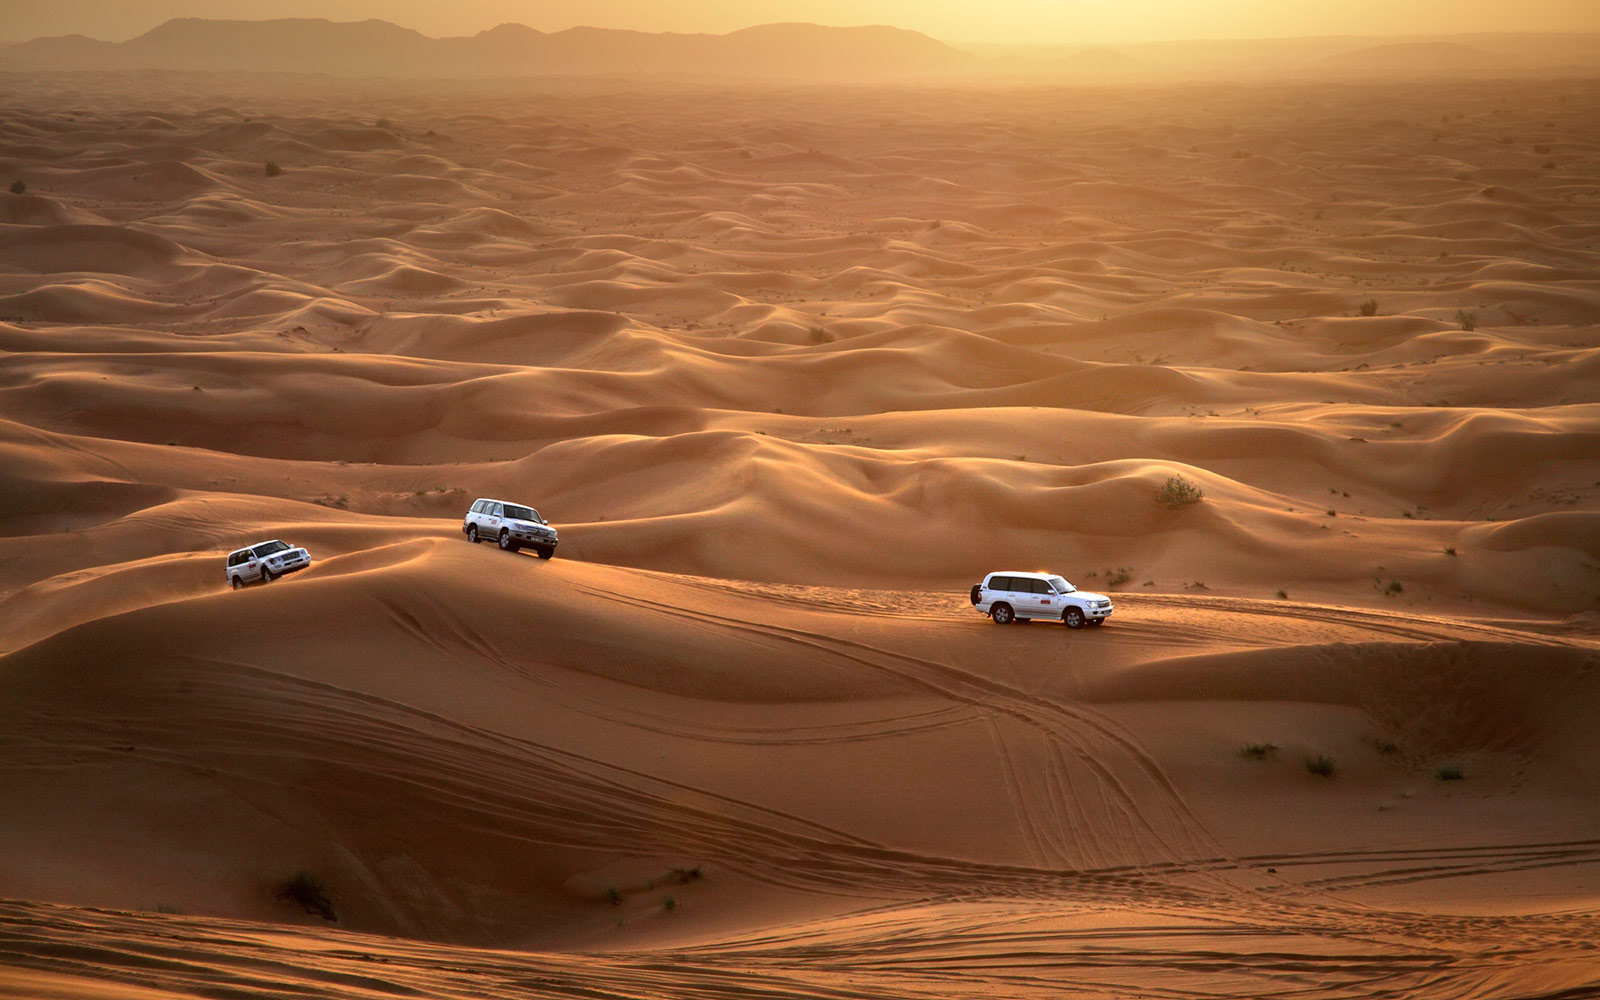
(1179, 492)
(308, 892)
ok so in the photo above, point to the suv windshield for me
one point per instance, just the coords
(268, 548)
(1061, 585)
(523, 513)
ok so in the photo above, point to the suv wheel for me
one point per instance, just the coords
(1073, 618)
(237, 583)
(1002, 614)
(546, 552)
(472, 533)
(506, 542)
(266, 575)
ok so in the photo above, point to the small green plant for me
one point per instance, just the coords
(1394, 587)
(309, 893)
(686, 875)
(1332, 512)
(18, 187)
(1118, 577)
(669, 904)
(1320, 765)
(272, 169)
(1178, 492)
(1467, 319)
(1259, 751)
(1450, 550)
(1449, 772)
(1283, 595)
(1369, 307)
(613, 895)
(1386, 747)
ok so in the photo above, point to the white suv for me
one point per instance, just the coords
(510, 524)
(1012, 596)
(265, 561)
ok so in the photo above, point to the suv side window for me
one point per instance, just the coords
(1040, 587)
(494, 509)
(1001, 583)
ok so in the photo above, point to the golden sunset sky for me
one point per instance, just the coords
(991, 21)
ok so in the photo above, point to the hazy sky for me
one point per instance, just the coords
(1031, 21)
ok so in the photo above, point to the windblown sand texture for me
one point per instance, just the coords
(791, 368)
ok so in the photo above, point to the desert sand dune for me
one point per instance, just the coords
(790, 369)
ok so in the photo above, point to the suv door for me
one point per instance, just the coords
(492, 517)
(1003, 590)
(1046, 602)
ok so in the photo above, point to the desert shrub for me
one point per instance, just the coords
(1118, 577)
(309, 893)
(1394, 587)
(820, 336)
(272, 169)
(686, 875)
(1283, 595)
(1320, 765)
(18, 187)
(613, 895)
(1450, 551)
(1369, 307)
(1178, 492)
(669, 904)
(1467, 319)
(1386, 747)
(1259, 751)
(1449, 772)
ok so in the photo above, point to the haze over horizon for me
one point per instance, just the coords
(997, 22)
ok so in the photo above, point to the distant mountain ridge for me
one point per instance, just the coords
(380, 48)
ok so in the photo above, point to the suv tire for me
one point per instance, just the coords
(545, 552)
(1002, 614)
(1073, 617)
(266, 575)
(472, 533)
(506, 542)
(238, 584)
